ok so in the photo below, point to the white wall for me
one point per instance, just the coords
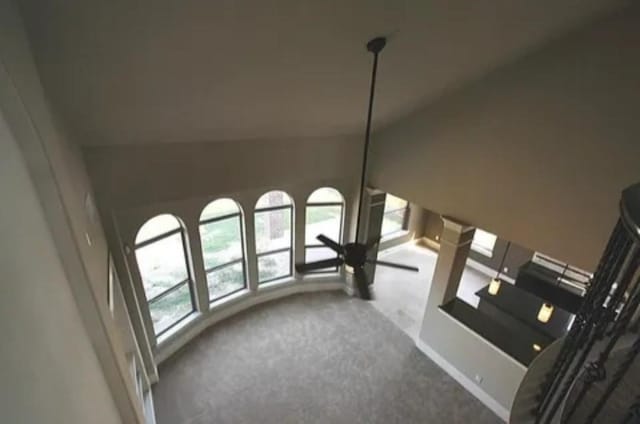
(57, 172)
(49, 372)
(536, 152)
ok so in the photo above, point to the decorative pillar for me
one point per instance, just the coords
(455, 242)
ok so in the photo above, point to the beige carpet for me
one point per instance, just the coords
(312, 358)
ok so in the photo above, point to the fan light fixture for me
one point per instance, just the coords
(494, 286)
(546, 310)
(356, 255)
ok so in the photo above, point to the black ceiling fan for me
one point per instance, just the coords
(355, 254)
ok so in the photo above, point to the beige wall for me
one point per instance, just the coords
(536, 152)
(133, 176)
(62, 186)
(49, 371)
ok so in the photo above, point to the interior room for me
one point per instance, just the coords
(320, 212)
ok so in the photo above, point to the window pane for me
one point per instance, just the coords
(221, 241)
(392, 222)
(325, 195)
(319, 253)
(157, 225)
(275, 265)
(162, 264)
(273, 230)
(323, 220)
(483, 241)
(171, 308)
(273, 198)
(218, 208)
(392, 202)
(225, 280)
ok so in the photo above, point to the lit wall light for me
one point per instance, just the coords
(537, 347)
(544, 315)
(494, 287)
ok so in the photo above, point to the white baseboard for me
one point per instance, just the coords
(464, 381)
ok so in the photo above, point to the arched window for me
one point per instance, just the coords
(223, 248)
(162, 260)
(274, 238)
(325, 208)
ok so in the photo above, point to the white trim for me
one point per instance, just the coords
(464, 381)
(245, 301)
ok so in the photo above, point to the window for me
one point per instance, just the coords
(222, 241)
(395, 215)
(483, 242)
(274, 238)
(161, 255)
(323, 216)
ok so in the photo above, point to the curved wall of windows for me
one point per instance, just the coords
(218, 255)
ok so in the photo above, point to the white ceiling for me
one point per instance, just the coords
(144, 71)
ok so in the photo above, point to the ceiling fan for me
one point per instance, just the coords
(355, 254)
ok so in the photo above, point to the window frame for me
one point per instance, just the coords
(187, 281)
(282, 249)
(242, 259)
(318, 244)
(405, 211)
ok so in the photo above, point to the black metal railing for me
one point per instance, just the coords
(611, 302)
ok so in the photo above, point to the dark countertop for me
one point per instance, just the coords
(525, 306)
(517, 344)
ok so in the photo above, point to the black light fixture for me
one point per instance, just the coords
(354, 254)
(494, 285)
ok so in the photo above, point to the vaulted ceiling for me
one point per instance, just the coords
(146, 71)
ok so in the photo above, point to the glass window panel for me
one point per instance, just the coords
(157, 225)
(162, 264)
(171, 308)
(323, 220)
(275, 265)
(225, 280)
(273, 230)
(392, 222)
(483, 241)
(325, 195)
(220, 207)
(221, 241)
(273, 198)
(392, 202)
(319, 253)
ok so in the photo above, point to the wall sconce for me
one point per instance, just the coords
(494, 287)
(544, 315)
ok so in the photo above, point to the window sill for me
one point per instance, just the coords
(178, 328)
(394, 235)
(276, 283)
(230, 298)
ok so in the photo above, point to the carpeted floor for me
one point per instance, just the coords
(311, 358)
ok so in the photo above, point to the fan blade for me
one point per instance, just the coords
(393, 265)
(313, 266)
(362, 283)
(330, 243)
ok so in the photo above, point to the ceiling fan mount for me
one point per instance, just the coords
(355, 254)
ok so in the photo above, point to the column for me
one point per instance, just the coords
(455, 242)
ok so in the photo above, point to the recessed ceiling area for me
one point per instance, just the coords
(124, 72)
